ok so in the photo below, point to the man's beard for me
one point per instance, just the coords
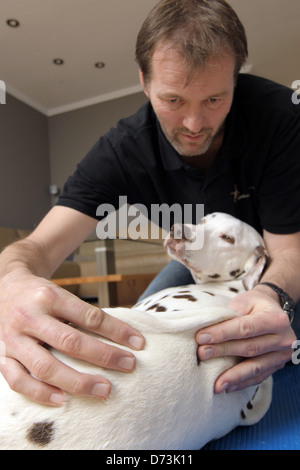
(200, 148)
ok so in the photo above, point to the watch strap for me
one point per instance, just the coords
(287, 304)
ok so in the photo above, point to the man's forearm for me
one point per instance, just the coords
(285, 264)
(26, 257)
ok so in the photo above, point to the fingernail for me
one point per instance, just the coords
(126, 363)
(100, 390)
(204, 339)
(57, 398)
(206, 353)
(224, 387)
(136, 342)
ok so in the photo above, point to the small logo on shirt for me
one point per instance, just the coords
(238, 196)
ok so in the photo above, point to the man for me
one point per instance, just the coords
(207, 136)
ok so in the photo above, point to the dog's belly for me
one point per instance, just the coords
(193, 296)
(167, 402)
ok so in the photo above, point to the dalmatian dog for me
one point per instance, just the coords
(168, 401)
(225, 257)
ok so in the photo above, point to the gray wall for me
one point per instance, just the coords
(37, 151)
(72, 134)
(25, 168)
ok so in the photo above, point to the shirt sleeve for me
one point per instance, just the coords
(98, 179)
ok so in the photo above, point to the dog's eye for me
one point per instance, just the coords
(227, 238)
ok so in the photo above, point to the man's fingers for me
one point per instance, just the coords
(265, 338)
(250, 347)
(20, 381)
(46, 370)
(70, 341)
(248, 336)
(251, 372)
(254, 337)
(244, 327)
(88, 317)
(33, 370)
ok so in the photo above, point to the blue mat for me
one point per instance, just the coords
(280, 427)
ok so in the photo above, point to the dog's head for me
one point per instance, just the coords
(231, 249)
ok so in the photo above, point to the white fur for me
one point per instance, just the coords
(168, 402)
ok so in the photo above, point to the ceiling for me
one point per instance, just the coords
(84, 32)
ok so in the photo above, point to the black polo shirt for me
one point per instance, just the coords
(255, 176)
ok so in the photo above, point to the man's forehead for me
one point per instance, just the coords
(167, 58)
(172, 73)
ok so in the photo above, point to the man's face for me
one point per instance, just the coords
(191, 111)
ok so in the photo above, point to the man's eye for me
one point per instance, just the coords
(174, 100)
(213, 103)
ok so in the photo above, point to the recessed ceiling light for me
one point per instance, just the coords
(58, 61)
(99, 65)
(13, 23)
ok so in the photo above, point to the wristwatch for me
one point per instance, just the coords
(287, 304)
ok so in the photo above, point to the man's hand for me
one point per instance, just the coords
(262, 334)
(34, 312)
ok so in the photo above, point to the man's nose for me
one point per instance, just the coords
(194, 120)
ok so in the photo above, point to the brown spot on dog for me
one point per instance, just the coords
(233, 289)
(235, 273)
(210, 293)
(228, 238)
(189, 297)
(214, 276)
(152, 307)
(243, 414)
(249, 405)
(157, 308)
(41, 433)
(160, 308)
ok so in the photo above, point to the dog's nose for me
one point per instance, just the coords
(179, 232)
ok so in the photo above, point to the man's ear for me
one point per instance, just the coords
(142, 81)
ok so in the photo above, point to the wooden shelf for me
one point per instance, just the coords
(71, 281)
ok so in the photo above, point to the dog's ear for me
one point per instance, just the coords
(255, 267)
